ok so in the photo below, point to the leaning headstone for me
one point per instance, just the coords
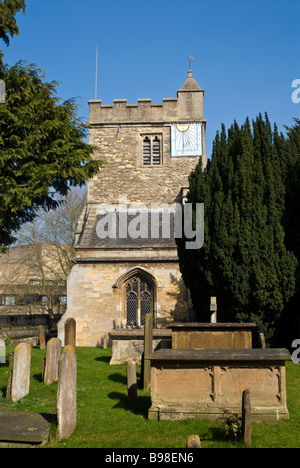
(2, 352)
(104, 341)
(41, 337)
(131, 382)
(52, 360)
(193, 442)
(148, 347)
(213, 309)
(66, 392)
(262, 340)
(43, 368)
(9, 382)
(117, 323)
(246, 417)
(21, 372)
(70, 332)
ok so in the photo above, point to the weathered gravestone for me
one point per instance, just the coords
(131, 382)
(66, 392)
(21, 372)
(2, 352)
(52, 360)
(246, 417)
(9, 382)
(148, 349)
(213, 309)
(41, 337)
(193, 442)
(70, 332)
(262, 340)
(17, 429)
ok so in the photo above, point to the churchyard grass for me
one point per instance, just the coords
(106, 420)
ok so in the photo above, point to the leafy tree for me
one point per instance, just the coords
(8, 25)
(42, 148)
(244, 260)
(57, 230)
(45, 251)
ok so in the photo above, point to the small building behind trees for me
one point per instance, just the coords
(32, 287)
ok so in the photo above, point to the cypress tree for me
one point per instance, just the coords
(244, 260)
(290, 320)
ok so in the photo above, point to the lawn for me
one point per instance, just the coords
(106, 420)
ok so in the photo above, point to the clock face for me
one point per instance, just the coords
(186, 140)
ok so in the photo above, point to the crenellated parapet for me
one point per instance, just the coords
(122, 112)
(188, 106)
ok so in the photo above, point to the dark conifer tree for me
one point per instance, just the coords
(290, 320)
(244, 260)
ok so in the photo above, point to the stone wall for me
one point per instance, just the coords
(118, 129)
(95, 298)
(124, 173)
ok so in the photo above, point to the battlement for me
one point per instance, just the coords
(188, 106)
(122, 112)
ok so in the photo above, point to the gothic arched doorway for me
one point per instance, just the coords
(138, 299)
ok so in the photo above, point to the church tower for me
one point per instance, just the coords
(125, 266)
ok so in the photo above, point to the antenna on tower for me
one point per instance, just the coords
(96, 77)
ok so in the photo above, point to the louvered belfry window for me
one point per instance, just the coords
(139, 300)
(156, 151)
(152, 154)
(147, 152)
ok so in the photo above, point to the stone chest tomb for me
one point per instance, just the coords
(212, 335)
(201, 383)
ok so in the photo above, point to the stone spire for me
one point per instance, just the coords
(190, 84)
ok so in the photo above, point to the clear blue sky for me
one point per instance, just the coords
(246, 52)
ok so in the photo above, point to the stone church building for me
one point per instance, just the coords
(125, 266)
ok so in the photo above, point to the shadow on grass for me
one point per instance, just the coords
(50, 417)
(122, 379)
(105, 359)
(218, 434)
(140, 407)
(119, 378)
(38, 377)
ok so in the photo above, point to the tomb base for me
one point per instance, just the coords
(201, 384)
(128, 344)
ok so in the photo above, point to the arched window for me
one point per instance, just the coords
(139, 300)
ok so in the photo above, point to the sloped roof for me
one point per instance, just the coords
(190, 84)
(163, 229)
